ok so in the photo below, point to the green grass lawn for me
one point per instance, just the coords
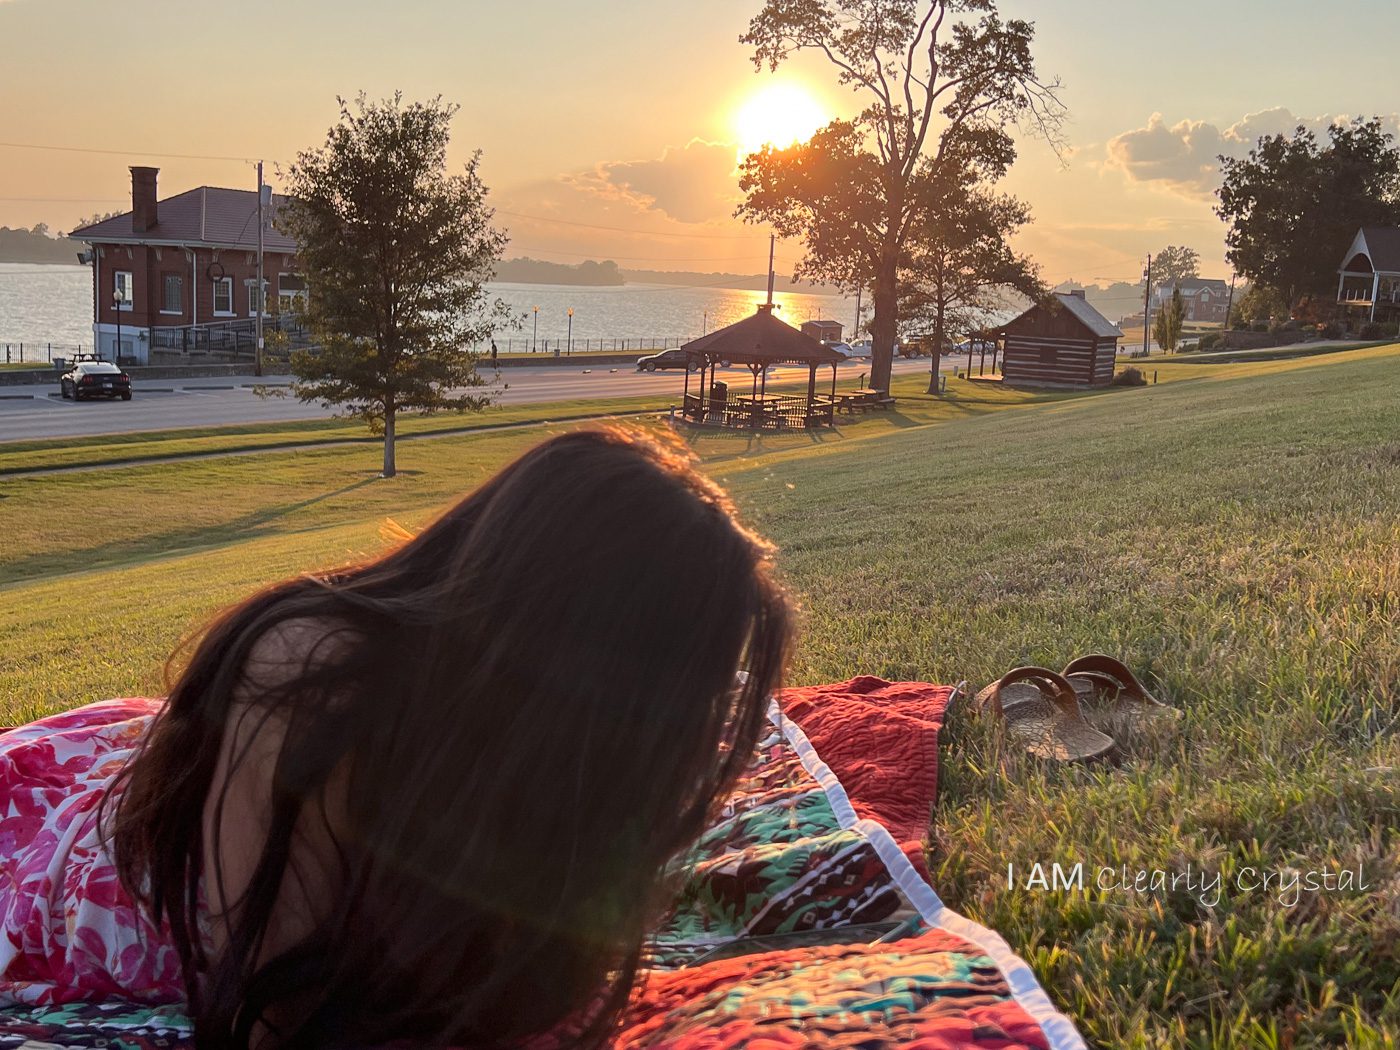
(1231, 532)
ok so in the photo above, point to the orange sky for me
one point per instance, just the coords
(622, 114)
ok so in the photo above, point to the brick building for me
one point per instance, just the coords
(180, 274)
(1203, 300)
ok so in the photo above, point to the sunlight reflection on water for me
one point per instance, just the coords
(43, 304)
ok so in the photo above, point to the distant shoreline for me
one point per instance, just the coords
(628, 278)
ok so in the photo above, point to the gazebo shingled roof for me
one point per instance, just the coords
(764, 340)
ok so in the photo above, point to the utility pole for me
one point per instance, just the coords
(855, 331)
(1146, 304)
(1229, 305)
(258, 317)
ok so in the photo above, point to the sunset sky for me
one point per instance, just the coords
(624, 114)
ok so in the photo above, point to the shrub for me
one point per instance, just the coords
(1331, 330)
(1211, 341)
(1376, 330)
(1130, 376)
(1259, 326)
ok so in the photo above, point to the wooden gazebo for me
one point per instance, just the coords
(758, 342)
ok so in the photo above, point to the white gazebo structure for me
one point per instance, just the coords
(1370, 275)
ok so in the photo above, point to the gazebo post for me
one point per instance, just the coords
(685, 391)
(753, 403)
(811, 389)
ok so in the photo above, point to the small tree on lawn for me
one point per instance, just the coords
(959, 268)
(396, 253)
(1166, 327)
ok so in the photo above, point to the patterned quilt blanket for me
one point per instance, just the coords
(824, 832)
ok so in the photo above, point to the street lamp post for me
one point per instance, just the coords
(571, 331)
(117, 300)
(534, 339)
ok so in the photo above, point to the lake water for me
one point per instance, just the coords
(53, 304)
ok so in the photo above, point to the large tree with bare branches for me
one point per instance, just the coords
(938, 77)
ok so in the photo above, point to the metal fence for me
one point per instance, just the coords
(236, 339)
(40, 353)
(565, 347)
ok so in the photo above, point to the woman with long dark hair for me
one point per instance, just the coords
(432, 797)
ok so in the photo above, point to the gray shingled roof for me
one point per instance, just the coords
(760, 339)
(1092, 319)
(1383, 245)
(209, 215)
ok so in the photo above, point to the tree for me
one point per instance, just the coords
(958, 263)
(935, 74)
(95, 218)
(1166, 326)
(1258, 304)
(1294, 205)
(1172, 265)
(396, 253)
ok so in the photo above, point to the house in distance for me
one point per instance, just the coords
(1202, 299)
(180, 274)
(1063, 342)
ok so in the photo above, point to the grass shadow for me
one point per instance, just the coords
(171, 542)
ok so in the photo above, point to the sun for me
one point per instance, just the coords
(778, 115)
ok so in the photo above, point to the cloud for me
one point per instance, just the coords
(694, 183)
(1183, 157)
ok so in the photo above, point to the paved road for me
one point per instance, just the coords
(163, 404)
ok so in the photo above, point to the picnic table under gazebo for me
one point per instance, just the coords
(758, 343)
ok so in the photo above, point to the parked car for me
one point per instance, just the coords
(843, 349)
(975, 346)
(861, 349)
(910, 348)
(673, 358)
(94, 378)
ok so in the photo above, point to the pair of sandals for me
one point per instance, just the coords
(1042, 709)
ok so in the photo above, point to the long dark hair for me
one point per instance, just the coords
(524, 713)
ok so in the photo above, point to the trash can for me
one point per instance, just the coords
(719, 392)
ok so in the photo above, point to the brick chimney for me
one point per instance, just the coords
(1078, 293)
(144, 211)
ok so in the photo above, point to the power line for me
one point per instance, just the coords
(124, 152)
(63, 200)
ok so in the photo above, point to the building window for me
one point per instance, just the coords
(121, 289)
(255, 301)
(291, 293)
(172, 294)
(223, 296)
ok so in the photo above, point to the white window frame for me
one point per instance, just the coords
(172, 313)
(126, 287)
(249, 285)
(225, 283)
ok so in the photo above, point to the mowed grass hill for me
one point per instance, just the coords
(1233, 533)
